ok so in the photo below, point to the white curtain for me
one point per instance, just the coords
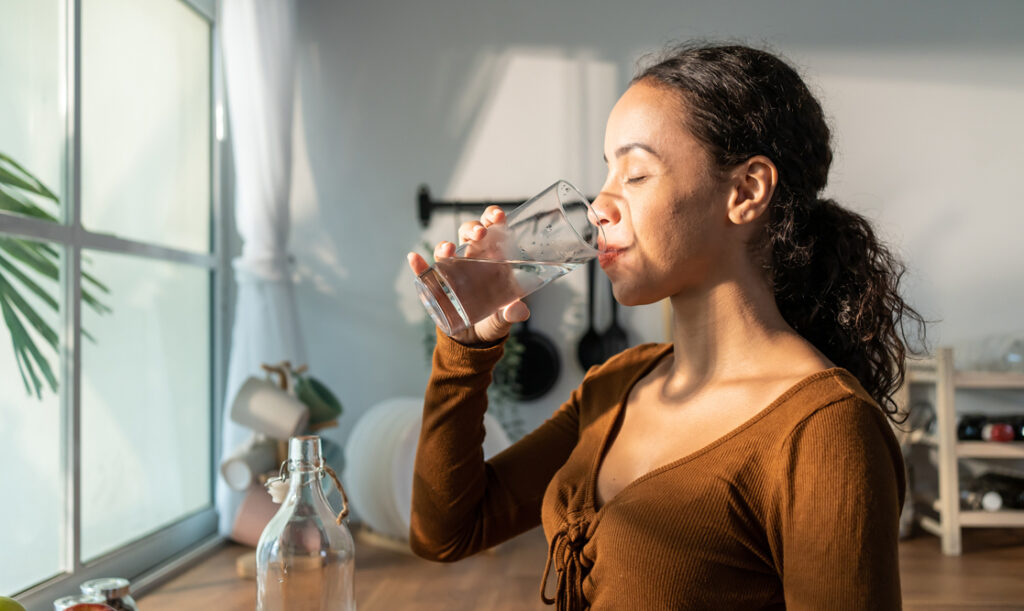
(257, 39)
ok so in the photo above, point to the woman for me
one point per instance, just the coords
(749, 464)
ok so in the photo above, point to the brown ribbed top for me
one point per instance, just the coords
(798, 508)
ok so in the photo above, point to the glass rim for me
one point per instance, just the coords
(599, 235)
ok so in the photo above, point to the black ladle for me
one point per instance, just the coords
(615, 339)
(590, 350)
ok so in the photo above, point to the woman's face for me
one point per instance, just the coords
(663, 207)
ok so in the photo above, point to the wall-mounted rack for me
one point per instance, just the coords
(427, 206)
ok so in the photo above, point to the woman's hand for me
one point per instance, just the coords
(473, 233)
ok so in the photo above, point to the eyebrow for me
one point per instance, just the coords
(625, 148)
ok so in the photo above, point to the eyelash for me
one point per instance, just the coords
(636, 180)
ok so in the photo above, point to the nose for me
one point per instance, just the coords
(606, 210)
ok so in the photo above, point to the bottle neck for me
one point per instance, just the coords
(306, 468)
(306, 483)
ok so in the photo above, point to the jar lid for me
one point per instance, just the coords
(108, 587)
(73, 601)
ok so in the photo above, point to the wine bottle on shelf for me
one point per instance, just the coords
(993, 491)
(988, 500)
(997, 431)
(1010, 488)
(969, 427)
(1018, 427)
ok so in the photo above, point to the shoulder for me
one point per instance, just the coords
(828, 394)
(831, 417)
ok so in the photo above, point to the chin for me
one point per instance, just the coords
(629, 294)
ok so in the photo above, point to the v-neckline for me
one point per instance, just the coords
(620, 410)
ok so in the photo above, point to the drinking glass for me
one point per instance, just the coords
(543, 239)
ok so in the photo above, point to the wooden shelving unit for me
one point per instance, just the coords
(941, 373)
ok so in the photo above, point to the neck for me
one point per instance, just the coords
(724, 334)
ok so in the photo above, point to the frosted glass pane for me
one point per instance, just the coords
(31, 434)
(145, 400)
(32, 92)
(146, 121)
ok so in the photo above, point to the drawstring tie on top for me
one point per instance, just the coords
(566, 552)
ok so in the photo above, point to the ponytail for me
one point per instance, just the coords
(838, 286)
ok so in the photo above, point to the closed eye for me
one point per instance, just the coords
(635, 180)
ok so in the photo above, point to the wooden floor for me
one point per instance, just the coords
(990, 575)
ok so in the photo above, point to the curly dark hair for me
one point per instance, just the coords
(834, 281)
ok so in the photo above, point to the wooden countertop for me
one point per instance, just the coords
(504, 579)
(987, 576)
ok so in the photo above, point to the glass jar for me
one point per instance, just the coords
(115, 592)
(81, 602)
(305, 558)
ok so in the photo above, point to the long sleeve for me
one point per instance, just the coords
(840, 478)
(460, 503)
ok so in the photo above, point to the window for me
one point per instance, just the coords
(111, 288)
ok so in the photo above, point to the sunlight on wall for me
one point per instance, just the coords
(542, 120)
(532, 116)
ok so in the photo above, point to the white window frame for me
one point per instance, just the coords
(151, 558)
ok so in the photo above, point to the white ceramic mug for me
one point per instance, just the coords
(257, 456)
(265, 408)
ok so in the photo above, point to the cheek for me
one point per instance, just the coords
(674, 233)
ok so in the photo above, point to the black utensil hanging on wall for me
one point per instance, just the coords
(539, 365)
(590, 350)
(615, 338)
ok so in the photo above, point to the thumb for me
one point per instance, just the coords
(516, 312)
(497, 325)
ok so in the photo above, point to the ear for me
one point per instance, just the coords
(754, 183)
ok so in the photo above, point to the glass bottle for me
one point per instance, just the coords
(305, 558)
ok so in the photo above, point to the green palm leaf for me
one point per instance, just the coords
(17, 176)
(22, 277)
(19, 255)
(14, 299)
(26, 351)
(10, 202)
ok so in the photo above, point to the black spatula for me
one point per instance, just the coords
(615, 339)
(590, 350)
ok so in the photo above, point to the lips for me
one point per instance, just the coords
(609, 255)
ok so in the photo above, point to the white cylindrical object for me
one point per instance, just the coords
(379, 458)
(266, 409)
(241, 468)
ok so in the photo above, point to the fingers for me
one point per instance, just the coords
(444, 249)
(417, 263)
(471, 231)
(476, 230)
(492, 215)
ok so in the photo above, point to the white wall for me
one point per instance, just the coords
(488, 99)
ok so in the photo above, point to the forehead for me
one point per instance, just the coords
(649, 114)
